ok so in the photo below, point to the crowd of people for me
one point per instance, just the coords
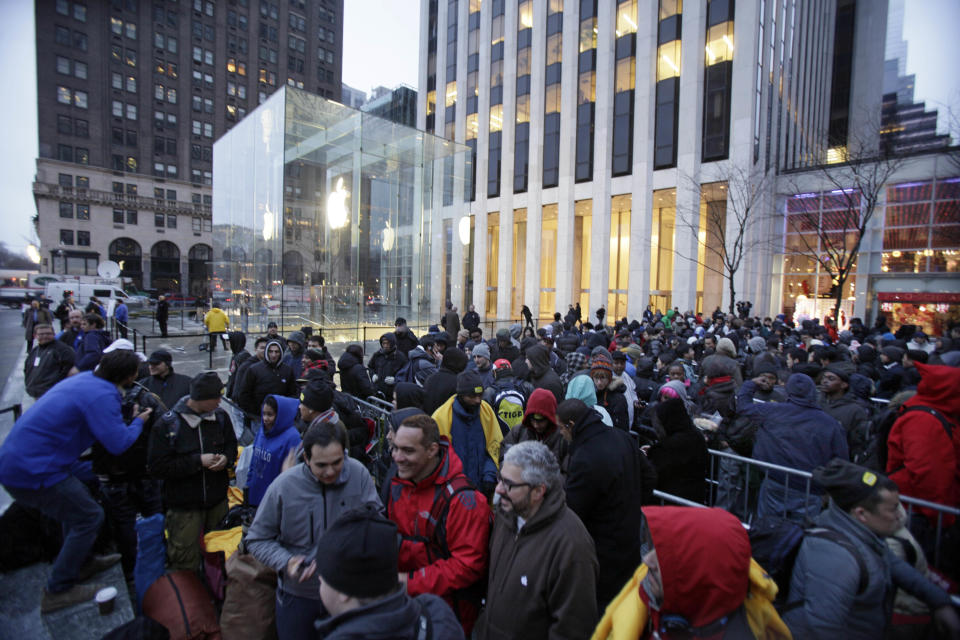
(514, 495)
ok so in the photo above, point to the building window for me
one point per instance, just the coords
(83, 182)
(623, 86)
(66, 236)
(66, 209)
(718, 73)
(80, 99)
(118, 216)
(131, 216)
(83, 212)
(83, 238)
(65, 180)
(668, 85)
(82, 155)
(65, 125)
(64, 95)
(159, 220)
(171, 221)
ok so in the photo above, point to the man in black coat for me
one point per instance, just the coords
(406, 340)
(265, 377)
(162, 313)
(48, 362)
(542, 376)
(441, 385)
(607, 480)
(163, 381)
(385, 363)
(353, 376)
(471, 319)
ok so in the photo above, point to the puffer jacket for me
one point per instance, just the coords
(568, 341)
(796, 433)
(216, 320)
(296, 510)
(177, 441)
(384, 365)
(467, 536)
(541, 375)
(353, 376)
(826, 577)
(398, 616)
(542, 576)
(921, 459)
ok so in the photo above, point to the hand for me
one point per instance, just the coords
(947, 622)
(757, 381)
(208, 460)
(220, 463)
(390, 381)
(298, 568)
(290, 461)
(143, 415)
(402, 578)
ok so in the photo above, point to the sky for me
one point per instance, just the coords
(381, 47)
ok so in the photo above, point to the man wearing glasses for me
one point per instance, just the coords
(443, 521)
(543, 567)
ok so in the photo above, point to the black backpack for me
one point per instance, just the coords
(775, 543)
(872, 453)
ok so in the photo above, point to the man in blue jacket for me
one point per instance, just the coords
(36, 463)
(796, 434)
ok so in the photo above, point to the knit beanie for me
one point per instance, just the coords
(847, 483)
(482, 350)
(599, 363)
(205, 386)
(357, 555)
(757, 344)
(469, 383)
(726, 347)
(317, 395)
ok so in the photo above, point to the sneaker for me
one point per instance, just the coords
(76, 594)
(96, 564)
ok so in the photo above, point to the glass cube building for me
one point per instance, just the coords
(328, 217)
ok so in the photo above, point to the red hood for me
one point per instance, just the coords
(544, 403)
(704, 557)
(939, 388)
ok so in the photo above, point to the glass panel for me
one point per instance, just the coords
(661, 242)
(519, 261)
(908, 215)
(523, 108)
(588, 34)
(670, 8)
(719, 43)
(583, 216)
(619, 256)
(451, 94)
(626, 18)
(625, 74)
(554, 49)
(548, 262)
(551, 102)
(473, 126)
(668, 60)
(525, 14)
(587, 87)
(523, 61)
(910, 192)
(496, 118)
(493, 254)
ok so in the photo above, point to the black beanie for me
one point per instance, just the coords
(317, 395)
(205, 386)
(847, 483)
(469, 383)
(358, 554)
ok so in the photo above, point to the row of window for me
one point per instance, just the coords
(67, 210)
(66, 180)
(66, 238)
(201, 55)
(68, 67)
(163, 41)
(68, 38)
(66, 95)
(79, 11)
(120, 28)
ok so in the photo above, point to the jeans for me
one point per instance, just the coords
(122, 501)
(69, 502)
(296, 615)
(780, 501)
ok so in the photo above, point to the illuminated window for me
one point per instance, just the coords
(496, 118)
(554, 48)
(523, 108)
(668, 60)
(626, 18)
(719, 43)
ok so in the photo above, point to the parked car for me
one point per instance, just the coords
(179, 301)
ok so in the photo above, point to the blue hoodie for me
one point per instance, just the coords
(271, 447)
(47, 440)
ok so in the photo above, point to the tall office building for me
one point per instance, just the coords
(132, 95)
(605, 130)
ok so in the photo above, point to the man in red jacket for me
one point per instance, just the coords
(444, 522)
(923, 449)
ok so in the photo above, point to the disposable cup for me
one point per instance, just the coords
(106, 599)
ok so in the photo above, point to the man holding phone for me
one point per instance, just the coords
(191, 447)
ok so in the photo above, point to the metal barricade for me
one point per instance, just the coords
(377, 449)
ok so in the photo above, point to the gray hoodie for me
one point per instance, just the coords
(295, 512)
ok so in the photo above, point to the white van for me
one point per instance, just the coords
(82, 292)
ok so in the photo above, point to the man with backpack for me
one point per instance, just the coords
(507, 395)
(843, 583)
(443, 521)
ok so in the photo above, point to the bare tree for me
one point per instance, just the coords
(856, 185)
(725, 226)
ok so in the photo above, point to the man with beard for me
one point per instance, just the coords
(266, 377)
(543, 567)
(71, 333)
(443, 521)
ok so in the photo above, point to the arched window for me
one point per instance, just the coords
(199, 269)
(165, 266)
(126, 252)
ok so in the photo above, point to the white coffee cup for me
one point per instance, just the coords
(106, 599)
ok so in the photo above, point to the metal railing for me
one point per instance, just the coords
(15, 409)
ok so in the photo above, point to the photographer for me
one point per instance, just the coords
(37, 458)
(126, 487)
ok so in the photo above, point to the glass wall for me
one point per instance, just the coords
(548, 262)
(493, 255)
(662, 231)
(711, 233)
(519, 261)
(619, 256)
(322, 214)
(583, 217)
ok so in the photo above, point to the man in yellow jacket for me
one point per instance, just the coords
(473, 430)
(217, 323)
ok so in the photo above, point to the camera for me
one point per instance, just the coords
(137, 395)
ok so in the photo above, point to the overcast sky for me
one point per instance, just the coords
(381, 44)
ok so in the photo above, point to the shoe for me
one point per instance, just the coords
(76, 594)
(95, 565)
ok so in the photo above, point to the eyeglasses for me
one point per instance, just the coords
(509, 484)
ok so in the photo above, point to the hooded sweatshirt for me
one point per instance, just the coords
(922, 459)
(541, 374)
(271, 447)
(262, 379)
(795, 433)
(542, 403)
